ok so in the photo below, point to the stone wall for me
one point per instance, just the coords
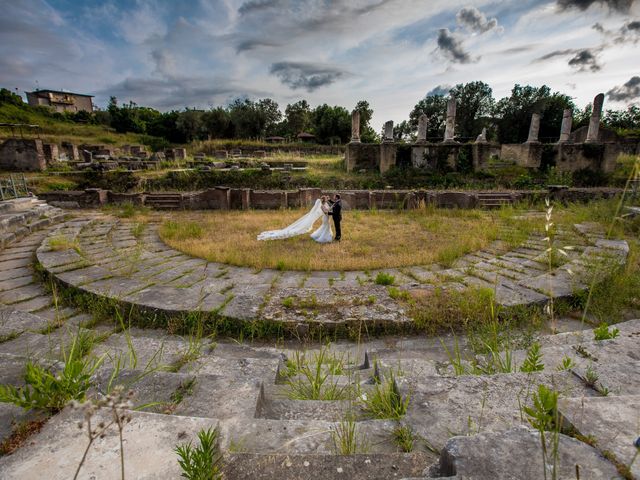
(362, 156)
(527, 155)
(20, 154)
(223, 198)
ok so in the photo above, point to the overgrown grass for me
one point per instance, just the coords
(418, 237)
(385, 400)
(313, 380)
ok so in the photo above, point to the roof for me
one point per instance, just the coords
(60, 91)
(306, 135)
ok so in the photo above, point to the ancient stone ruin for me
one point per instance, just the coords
(573, 151)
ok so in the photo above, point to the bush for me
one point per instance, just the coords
(385, 279)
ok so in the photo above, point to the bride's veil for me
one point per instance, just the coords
(301, 226)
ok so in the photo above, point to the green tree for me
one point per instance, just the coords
(331, 124)
(297, 117)
(475, 104)
(190, 124)
(434, 106)
(367, 133)
(513, 113)
(216, 123)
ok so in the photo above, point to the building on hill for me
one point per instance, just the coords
(61, 101)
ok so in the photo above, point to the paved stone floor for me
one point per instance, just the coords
(468, 426)
(105, 258)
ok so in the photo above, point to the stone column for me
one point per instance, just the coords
(355, 126)
(534, 128)
(423, 125)
(565, 128)
(594, 123)
(482, 138)
(450, 126)
(388, 132)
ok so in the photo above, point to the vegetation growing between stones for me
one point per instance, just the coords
(204, 460)
(385, 400)
(46, 389)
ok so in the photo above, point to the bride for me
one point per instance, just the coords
(305, 224)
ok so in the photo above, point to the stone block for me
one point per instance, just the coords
(150, 438)
(20, 154)
(517, 454)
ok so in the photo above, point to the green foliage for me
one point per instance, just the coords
(46, 389)
(383, 278)
(203, 461)
(346, 439)
(398, 294)
(385, 400)
(404, 437)
(590, 376)
(313, 381)
(566, 364)
(288, 302)
(602, 332)
(533, 362)
(514, 112)
(543, 414)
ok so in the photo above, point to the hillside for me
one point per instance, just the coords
(57, 129)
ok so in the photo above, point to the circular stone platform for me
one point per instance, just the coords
(109, 257)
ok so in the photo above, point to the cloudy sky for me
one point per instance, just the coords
(200, 53)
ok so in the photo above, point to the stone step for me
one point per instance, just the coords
(517, 454)
(609, 422)
(149, 439)
(251, 466)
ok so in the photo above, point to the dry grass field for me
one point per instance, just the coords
(371, 239)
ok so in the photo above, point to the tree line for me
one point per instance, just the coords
(506, 120)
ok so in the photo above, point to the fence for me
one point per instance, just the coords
(13, 186)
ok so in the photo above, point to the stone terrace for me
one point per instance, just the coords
(105, 257)
(468, 427)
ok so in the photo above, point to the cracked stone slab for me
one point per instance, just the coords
(517, 454)
(442, 407)
(54, 453)
(612, 422)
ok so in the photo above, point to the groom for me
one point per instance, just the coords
(336, 213)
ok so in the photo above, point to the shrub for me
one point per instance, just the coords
(204, 461)
(383, 278)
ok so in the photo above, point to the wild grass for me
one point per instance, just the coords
(48, 390)
(346, 438)
(385, 400)
(404, 437)
(313, 380)
(373, 239)
(60, 243)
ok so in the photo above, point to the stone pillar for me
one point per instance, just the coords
(594, 123)
(388, 132)
(388, 152)
(355, 126)
(450, 125)
(423, 125)
(534, 128)
(565, 129)
(482, 138)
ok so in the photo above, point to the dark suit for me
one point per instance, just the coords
(336, 214)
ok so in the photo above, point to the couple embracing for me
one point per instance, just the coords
(324, 208)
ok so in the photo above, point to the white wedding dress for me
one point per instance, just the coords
(324, 233)
(304, 225)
